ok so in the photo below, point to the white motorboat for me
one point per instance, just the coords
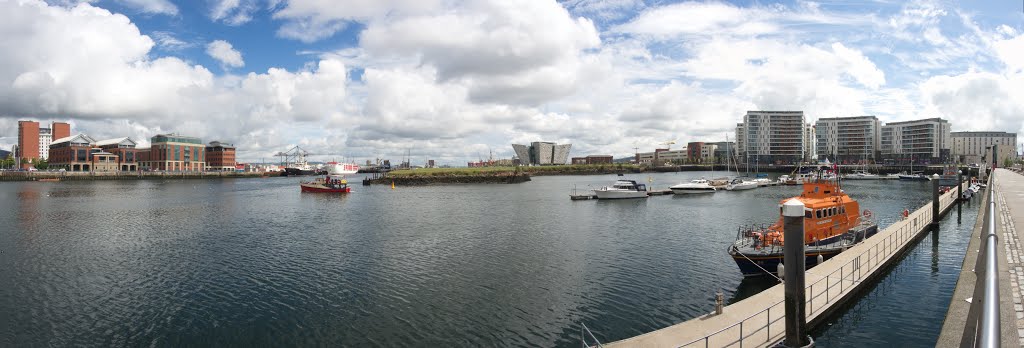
(622, 189)
(740, 184)
(695, 186)
(861, 176)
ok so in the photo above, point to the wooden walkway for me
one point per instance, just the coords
(760, 319)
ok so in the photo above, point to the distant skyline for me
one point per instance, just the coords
(450, 79)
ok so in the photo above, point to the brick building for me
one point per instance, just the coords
(72, 153)
(220, 156)
(173, 152)
(125, 151)
(34, 141)
(103, 161)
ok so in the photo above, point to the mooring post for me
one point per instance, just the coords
(935, 202)
(959, 193)
(794, 259)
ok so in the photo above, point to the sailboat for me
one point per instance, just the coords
(919, 176)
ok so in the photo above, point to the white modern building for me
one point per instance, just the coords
(772, 137)
(45, 138)
(919, 141)
(847, 139)
(970, 147)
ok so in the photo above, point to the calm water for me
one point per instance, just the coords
(254, 261)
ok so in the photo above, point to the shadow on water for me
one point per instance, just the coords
(752, 286)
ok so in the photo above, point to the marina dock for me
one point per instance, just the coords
(758, 321)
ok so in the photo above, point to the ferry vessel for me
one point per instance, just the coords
(337, 168)
(832, 223)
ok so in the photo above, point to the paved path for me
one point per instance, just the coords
(1010, 203)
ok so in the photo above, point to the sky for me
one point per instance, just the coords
(455, 81)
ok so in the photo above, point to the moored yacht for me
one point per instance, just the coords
(692, 187)
(622, 189)
(740, 184)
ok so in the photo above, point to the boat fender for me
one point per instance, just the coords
(906, 213)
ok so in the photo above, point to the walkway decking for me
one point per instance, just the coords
(760, 320)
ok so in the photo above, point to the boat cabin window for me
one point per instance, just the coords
(818, 213)
(808, 214)
(833, 211)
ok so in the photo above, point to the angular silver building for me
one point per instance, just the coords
(542, 153)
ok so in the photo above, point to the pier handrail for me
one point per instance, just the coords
(987, 324)
(849, 275)
(584, 332)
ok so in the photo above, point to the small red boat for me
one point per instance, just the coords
(327, 184)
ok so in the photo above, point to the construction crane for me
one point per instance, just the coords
(295, 155)
(668, 144)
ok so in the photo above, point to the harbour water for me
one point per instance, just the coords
(255, 262)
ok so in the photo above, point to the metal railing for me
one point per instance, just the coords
(584, 333)
(983, 319)
(845, 278)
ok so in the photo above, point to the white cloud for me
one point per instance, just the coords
(314, 20)
(232, 12)
(169, 41)
(223, 52)
(152, 6)
(94, 66)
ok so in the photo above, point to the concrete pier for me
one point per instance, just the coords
(759, 320)
(1009, 196)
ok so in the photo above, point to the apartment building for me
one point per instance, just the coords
(847, 140)
(922, 141)
(772, 137)
(970, 147)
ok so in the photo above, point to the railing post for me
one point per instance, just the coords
(794, 259)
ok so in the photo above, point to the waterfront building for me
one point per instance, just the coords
(103, 161)
(919, 141)
(810, 152)
(124, 151)
(220, 156)
(28, 143)
(772, 137)
(542, 153)
(724, 151)
(72, 153)
(707, 153)
(174, 152)
(34, 141)
(663, 157)
(970, 147)
(847, 140)
(741, 134)
(593, 159)
(693, 150)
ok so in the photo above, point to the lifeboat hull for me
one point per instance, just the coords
(751, 261)
(324, 189)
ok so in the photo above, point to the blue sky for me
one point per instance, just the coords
(449, 80)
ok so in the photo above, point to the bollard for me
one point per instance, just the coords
(796, 304)
(719, 302)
